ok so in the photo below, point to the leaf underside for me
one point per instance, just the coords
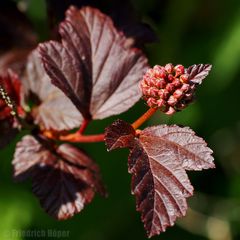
(64, 179)
(198, 72)
(92, 64)
(158, 160)
(55, 110)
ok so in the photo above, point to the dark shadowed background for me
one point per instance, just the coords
(189, 32)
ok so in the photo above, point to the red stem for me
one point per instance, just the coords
(144, 118)
(79, 137)
(83, 126)
(76, 137)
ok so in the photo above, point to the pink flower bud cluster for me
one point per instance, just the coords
(167, 88)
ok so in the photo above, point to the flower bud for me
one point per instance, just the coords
(167, 88)
(170, 78)
(178, 93)
(159, 72)
(169, 68)
(185, 87)
(161, 103)
(164, 94)
(177, 83)
(184, 78)
(172, 101)
(151, 102)
(179, 70)
(170, 87)
(161, 83)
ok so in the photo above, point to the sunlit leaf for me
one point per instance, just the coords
(92, 65)
(158, 160)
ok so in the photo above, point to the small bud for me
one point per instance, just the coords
(185, 87)
(178, 94)
(179, 70)
(151, 102)
(161, 103)
(184, 78)
(169, 68)
(159, 72)
(177, 83)
(153, 92)
(161, 83)
(170, 78)
(170, 87)
(172, 101)
(164, 94)
(152, 82)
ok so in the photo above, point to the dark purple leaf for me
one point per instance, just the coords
(93, 66)
(158, 162)
(64, 178)
(192, 150)
(119, 135)
(55, 110)
(198, 72)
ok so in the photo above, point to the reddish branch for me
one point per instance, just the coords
(83, 126)
(144, 118)
(76, 137)
(79, 137)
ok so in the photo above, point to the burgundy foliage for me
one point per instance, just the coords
(158, 160)
(50, 110)
(93, 66)
(64, 178)
(119, 135)
(94, 72)
(198, 72)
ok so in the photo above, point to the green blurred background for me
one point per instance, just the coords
(189, 32)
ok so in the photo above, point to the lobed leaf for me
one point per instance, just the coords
(198, 72)
(119, 135)
(158, 160)
(54, 110)
(92, 65)
(64, 178)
